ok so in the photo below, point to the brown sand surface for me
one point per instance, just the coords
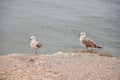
(59, 66)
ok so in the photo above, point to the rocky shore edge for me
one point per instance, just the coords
(76, 65)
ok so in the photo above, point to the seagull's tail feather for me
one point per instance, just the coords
(99, 47)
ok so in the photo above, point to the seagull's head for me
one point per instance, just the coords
(82, 33)
(32, 38)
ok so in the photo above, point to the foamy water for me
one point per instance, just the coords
(57, 23)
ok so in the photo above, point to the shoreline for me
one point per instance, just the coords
(59, 66)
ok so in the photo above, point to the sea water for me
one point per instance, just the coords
(57, 24)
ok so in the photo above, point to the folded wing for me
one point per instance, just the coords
(38, 44)
(89, 43)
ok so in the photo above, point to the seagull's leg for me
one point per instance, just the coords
(91, 50)
(87, 49)
(35, 51)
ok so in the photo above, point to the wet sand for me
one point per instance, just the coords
(59, 66)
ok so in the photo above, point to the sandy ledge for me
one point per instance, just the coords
(59, 66)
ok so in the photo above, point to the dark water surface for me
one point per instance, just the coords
(57, 23)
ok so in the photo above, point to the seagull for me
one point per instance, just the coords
(35, 44)
(88, 43)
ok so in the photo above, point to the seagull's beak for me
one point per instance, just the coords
(30, 39)
(78, 34)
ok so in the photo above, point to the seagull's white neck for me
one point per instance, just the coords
(82, 37)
